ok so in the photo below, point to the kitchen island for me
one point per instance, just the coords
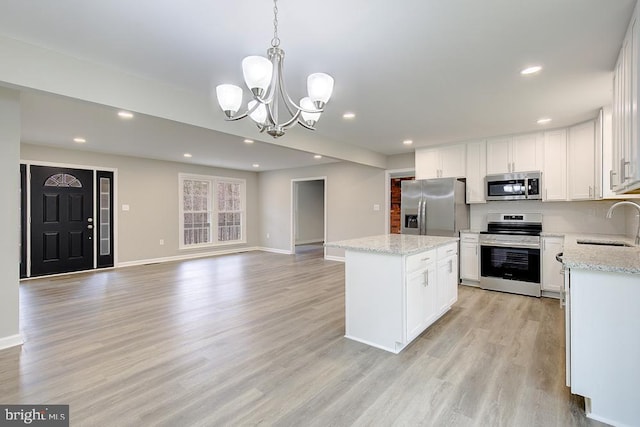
(396, 286)
(602, 288)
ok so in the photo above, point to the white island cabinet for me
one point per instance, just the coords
(397, 285)
(602, 284)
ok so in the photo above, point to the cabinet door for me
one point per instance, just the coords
(582, 161)
(421, 301)
(427, 163)
(526, 153)
(447, 283)
(415, 303)
(452, 161)
(552, 279)
(469, 261)
(476, 171)
(498, 156)
(554, 177)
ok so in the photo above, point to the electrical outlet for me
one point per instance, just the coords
(161, 242)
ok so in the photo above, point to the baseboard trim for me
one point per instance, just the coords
(274, 250)
(10, 341)
(185, 257)
(334, 258)
(309, 241)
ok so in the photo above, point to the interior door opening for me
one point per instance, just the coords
(395, 205)
(308, 216)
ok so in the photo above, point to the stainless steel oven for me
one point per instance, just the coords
(510, 253)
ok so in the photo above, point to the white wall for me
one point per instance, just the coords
(9, 216)
(564, 217)
(310, 211)
(150, 188)
(352, 190)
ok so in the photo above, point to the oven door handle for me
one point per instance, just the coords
(511, 245)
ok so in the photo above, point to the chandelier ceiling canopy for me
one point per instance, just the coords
(265, 79)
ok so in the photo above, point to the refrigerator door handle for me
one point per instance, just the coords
(420, 216)
(423, 223)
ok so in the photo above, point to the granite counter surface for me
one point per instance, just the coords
(393, 244)
(616, 259)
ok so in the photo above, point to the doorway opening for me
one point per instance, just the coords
(394, 198)
(67, 219)
(308, 233)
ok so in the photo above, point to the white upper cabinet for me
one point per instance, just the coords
(521, 153)
(582, 168)
(498, 155)
(625, 168)
(476, 171)
(441, 162)
(554, 174)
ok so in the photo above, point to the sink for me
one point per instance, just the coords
(604, 243)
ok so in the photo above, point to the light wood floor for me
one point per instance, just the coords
(257, 338)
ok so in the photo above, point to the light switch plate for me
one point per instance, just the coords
(376, 207)
(125, 207)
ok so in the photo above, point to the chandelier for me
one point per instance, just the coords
(265, 79)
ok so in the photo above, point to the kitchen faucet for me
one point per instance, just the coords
(615, 205)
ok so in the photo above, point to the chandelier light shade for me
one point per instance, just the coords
(265, 79)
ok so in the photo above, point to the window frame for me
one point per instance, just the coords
(213, 208)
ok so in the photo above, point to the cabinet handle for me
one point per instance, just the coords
(623, 168)
(546, 194)
(450, 266)
(476, 250)
(589, 191)
(611, 174)
(425, 259)
(425, 275)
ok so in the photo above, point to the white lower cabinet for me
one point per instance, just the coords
(469, 257)
(552, 277)
(421, 296)
(447, 291)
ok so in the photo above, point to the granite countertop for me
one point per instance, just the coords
(393, 244)
(616, 259)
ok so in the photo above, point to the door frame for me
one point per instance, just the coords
(94, 169)
(292, 245)
(388, 175)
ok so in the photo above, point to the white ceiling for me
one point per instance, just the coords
(433, 71)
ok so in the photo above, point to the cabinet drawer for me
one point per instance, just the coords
(447, 250)
(469, 237)
(420, 261)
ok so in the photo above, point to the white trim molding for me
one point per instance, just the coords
(11, 341)
(275, 251)
(186, 256)
(334, 258)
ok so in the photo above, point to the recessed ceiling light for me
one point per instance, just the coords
(531, 70)
(188, 155)
(349, 116)
(125, 114)
(248, 141)
(407, 142)
(317, 156)
(255, 165)
(79, 140)
(544, 121)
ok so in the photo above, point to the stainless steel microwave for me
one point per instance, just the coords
(514, 186)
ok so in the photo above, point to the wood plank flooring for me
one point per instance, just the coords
(257, 339)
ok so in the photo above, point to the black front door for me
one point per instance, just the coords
(62, 220)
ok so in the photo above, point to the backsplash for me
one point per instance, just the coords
(566, 217)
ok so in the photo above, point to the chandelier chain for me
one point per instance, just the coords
(275, 41)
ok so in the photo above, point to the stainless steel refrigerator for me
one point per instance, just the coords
(434, 207)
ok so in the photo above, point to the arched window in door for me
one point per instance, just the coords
(63, 180)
